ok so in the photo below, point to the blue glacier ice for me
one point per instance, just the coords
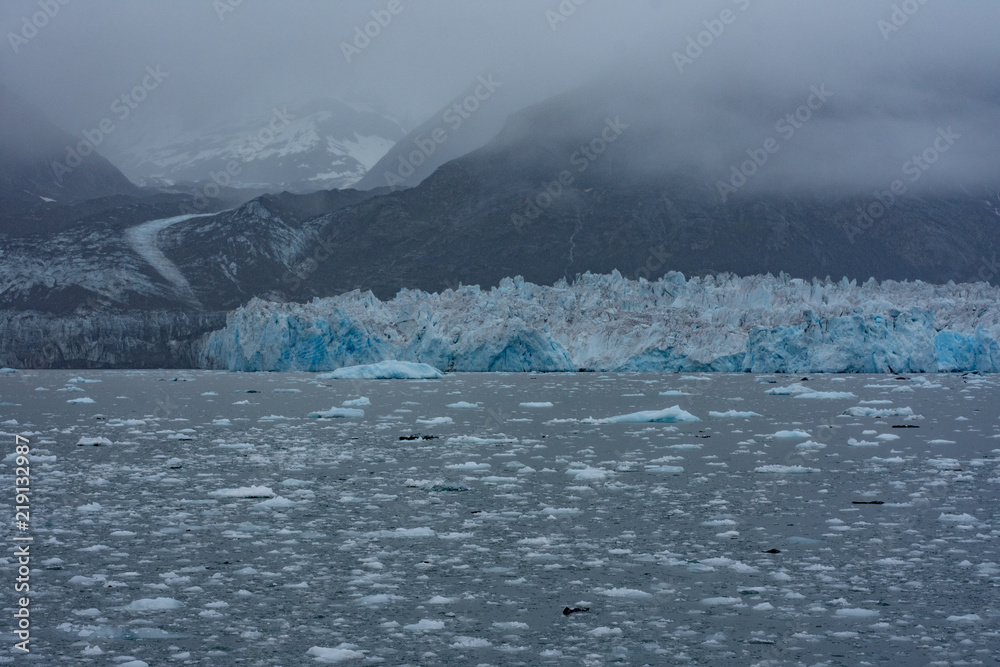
(726, 323)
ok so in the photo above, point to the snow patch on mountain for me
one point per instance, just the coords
(323, 144)
(609, 323)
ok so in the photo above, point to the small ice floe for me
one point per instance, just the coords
(244, 492)
(462, 641)
(239, 446)
(861, 443)
(674, 392)
(958, 518)
(510, 625)
(96, 442)
(154, 604)
(362, 402)
(378, 599)
(826, 395)
(89, 507)
(589, 474)
(338, 413)
(5, 369)
(631, 593)
(424, 625)
(434, 421)
(468, 465)
(287, 391)
(965, 618)
(785, 470)
(945, 464)
(810, 445)
(500, 438)
(722, 601)
(80, 401)
(384, 370)
(536, 404)
(791, 390)
(733, 414)
(463, 405)
(422, 531)
(276, 503)
(666, 416)
(440, 599)
(797, 433)
(862, 411)
(556, 511)
(339, 653)
(855, 612)
(221, 422)
(665, 469)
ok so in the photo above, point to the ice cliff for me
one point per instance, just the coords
(609, 323)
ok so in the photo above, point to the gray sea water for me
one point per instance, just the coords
(204, 518)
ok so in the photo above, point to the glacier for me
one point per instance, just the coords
(605, 322)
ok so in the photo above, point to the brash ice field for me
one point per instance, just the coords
(203, 517)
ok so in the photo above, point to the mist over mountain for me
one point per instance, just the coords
(323, 144)
(41, 163)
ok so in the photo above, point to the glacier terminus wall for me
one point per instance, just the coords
(762, 324)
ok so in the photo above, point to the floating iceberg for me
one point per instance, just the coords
(337, 413)
(385, 370)
(762, 324)
(667, 415)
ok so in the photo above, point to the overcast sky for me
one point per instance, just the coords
(940, 65)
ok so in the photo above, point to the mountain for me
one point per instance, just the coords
(599, 179)
(124, 255)
(466, 123)
(320, 145)
(41, 164)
